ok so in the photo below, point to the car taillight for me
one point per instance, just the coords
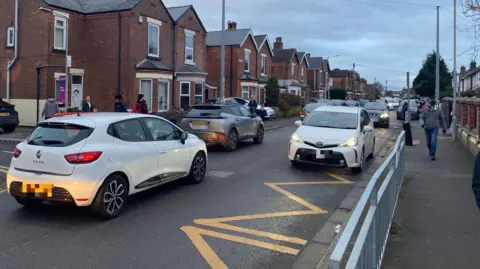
(16, 153)
(301, 112)
(85, 157)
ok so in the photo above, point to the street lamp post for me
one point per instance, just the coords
(329, 86)
(66, 50)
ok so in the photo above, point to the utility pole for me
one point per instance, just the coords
(437, 58)
(222, 55)
(406, 122)
(375, 92)
(454, 105)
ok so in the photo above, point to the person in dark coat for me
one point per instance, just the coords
(119, 104)
(87, 105)
(252, 105)
(476, 180)
(141, 105)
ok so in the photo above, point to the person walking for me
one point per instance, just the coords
(252, 105)
(431, 119)
(87, 105)
(141, 105)
(119, 104)
(50, 108)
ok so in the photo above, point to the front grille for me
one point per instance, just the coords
(60, 195)
(331, 158)
(322, 147)
(373, 115)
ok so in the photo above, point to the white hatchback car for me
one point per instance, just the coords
(100, 159)
(337, 136)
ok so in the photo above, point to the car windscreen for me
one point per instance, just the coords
(375, 106)
(206, 111)
(332, 119)
(312, 106)
(351, 103)
(58, 134)
(337, 103)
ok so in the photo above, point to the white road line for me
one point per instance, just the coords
(11, 152)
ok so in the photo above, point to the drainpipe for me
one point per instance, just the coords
(12, 62)
(119, 71)
(231, 71)
(174, 56)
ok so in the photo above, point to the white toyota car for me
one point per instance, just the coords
(337, 136)
(100, 159)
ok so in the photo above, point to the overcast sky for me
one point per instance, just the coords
(384, 38)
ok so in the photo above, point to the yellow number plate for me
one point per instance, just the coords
(45, 189)
(198, 123)
(4, 114)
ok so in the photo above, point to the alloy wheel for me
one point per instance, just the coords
(233, 140)
(114, 197)
(199, 167)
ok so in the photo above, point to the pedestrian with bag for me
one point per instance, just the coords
(432, 119)
(50, 108)
(141, 105)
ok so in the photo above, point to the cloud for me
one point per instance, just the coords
(384, 38)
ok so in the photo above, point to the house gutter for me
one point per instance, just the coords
(119, 71)
(15, 56)
(174, 54)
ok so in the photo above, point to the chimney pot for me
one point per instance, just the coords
(278, 45)
(234, 25)
(463, 69)
(308, 55)
(473, 65)
(229, 25)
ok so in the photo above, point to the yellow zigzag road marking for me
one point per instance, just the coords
(196, 234)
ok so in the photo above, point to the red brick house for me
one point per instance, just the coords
(190, 61)
(241, 68)
(303, 75)
(342, 79)
(264, 64)
(121, 47)
(286, 66)
(318, 76)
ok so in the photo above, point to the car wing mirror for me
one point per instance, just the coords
(183, 137)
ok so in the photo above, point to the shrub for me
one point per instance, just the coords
(272, 91)
(338, 94)
(292, 100)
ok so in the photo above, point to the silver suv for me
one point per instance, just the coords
(223, 124)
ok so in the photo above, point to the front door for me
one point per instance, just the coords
(77, 91)
(163, 99)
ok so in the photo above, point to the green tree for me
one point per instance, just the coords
(272, 91)
(424, 83)
(380, 88)
(338, 94)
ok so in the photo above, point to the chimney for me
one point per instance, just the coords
(278, 45)
(232, 25)
(308, 55)
(473, 65)
(463, 69)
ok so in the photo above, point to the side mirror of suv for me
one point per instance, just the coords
(183, 137)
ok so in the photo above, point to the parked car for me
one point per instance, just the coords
(223, 124)
(363, 102)
(337, 103)
(333, 136)
(379, 114)
(414, 110)
(309, 108)
(99, 159)
(352, 103)
(8, 117)
(389, 103)
(225, 101)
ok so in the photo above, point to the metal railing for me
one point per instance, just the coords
(369, 225)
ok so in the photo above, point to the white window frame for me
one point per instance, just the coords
(195, 92)
(151, 23)
(184, 94)
(151, 92)
(10, 37)
(55, 27)
(264, 65)
(247, 91)
(247, 61)
(302, 73)
(192, 34)
(168, 94)
(293, 71)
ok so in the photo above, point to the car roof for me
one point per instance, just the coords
(98, 118)
(343, 109)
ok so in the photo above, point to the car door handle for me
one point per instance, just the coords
(162, 151)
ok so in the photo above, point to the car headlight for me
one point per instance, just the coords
(350, 142)
(296, 138)
(384, 116)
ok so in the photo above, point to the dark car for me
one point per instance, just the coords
(311, 107)
(414, 110)
(378, 112)
(8, 117)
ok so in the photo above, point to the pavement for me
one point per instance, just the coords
(437, 223)
(252, 211)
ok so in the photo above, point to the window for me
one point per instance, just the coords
(302, 93)
(244, 111)
(189, 47)
(63, 135)
(245, 92)
(59, 33)
(130, 131)
(263, 64)
(161, 130)
(153, 40)
(366, 118)
(10, 36)
(302, 73)
(293, 71)
(184, 95)
(254, 92)
(198, 93)
(162, 95)
(247, 60)
(236, 110)
(146, 89)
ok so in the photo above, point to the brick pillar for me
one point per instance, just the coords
(458, 112)
(464, 111)
(472, 114)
